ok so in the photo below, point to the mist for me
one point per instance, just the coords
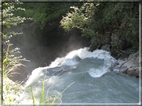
(41, 48)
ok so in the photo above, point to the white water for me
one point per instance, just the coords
(92, 72)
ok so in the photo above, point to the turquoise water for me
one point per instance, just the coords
(110, 88)
(93, 80)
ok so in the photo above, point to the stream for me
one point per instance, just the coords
(86, 77)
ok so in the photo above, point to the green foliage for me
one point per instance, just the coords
(33, 98)
(121, 18)
(11, 91)
(88, 32)
(56, 98)
(48, 99)
(11, 56)
(46, 13)
(9, 19)
(42, 93)
(78, 18)
(100, 18)
(81, 18)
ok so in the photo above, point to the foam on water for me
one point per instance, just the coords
(86, 69)
(71, 59)
(34, 77)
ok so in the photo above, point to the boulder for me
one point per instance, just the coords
(106, 47)
(128, 65)
(132, 72)
(117, 68)
(17, 73)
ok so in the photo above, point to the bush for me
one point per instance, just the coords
(80, 18)
(97, 19)
(11, 56)
(119, 18)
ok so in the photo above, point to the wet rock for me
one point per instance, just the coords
(100, 40)
(106, 47)
(132, 72)
(92, 47)
(17, 73)
(114, 39)
(120, 42)
(123, 44)
(118, 68)
(128, 65)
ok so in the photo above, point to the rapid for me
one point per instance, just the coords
(90, 76)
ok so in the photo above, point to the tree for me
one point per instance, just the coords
(97, 19)
(80, 18)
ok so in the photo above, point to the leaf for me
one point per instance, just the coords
(33, 96)
(55, 99)
(42, 94)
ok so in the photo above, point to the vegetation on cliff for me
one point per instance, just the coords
(102, 20)
(10, 56)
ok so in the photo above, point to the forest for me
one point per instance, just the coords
(95, 21)
(55, 28)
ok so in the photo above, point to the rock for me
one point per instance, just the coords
(134, 55)
(100, 40)
(133, 60)
(92, 47)
(17, 73)
(114, 39)
(123, 44)
(128, 65)
(121, 60)
(106, 47)
(119, 42)
(120, 69)
(132, 72)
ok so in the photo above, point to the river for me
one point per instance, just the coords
(90, 76)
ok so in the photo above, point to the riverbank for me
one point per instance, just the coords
(129, 65)
(128, 62)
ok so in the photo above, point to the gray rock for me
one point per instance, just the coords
(53, 71)
(106, 47)
(132, 72)
(133, 61)
(128, 65)
(120, 69)
(134, 55)
(122, 60)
